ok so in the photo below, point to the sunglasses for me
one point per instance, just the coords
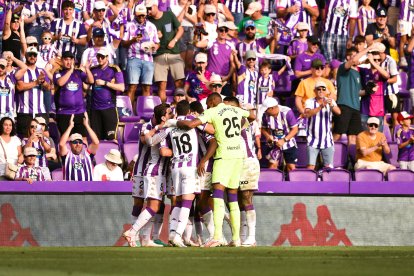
(33, 126)
(32, 44)
(31, 156)
(251, 59)
(140, 15)
(321, 89)
(210, 14)
(76, 142)
(317, 44)
(100, 10)
(32, 55)
(223, 30)
(319, 68)
(377, 60)
(150, 8)
(373, 125)
(100, 56)
(2, 67)
(47, 38)
(250, 28)
(302, 30)
(216, 85)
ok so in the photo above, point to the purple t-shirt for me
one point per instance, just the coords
(3, 12)
(69, 97)
(406, 153)
(102, 96)
(219, 58)
(303, 62)
(297, 47)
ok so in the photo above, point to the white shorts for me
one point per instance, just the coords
(185, 181)
(138, 186)
(154, 187)
(205, 181)
(249, 179)
(404, 27)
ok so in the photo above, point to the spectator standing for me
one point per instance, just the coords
(247, 77)
(38, 18)
(254, 12)
(236, 8)
(405, 141)
(98, 39)
(366, 15)
(10, 145)
(109, 170)
(197, 81)
(380, 31)
(98, 20)
(404, 27)
(300, 44)
(303, 61)
(294, 12)
(12, 32)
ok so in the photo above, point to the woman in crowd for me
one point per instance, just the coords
(10, 145)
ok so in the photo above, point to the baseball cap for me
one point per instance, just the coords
(381, 12)
(373, 120)
(250, 54)
(249, 23)
(68, 54)
(302, 26)
(231, 25)
(150, 3)
(75, 136)
(320, 84)
(140, 9)
(3, 62)
(313, 39)
(30, 151)
(179, 91)
(404, 115)
(215, 78)
(201, 57)
(317, 63)
(269, 102)
(253, 7)
(99, 31)
(222, 25)
(40, 120)
(31, 40)
(378, 46)
(32, 49)
(209, 9)
(103, 52)
(99, 5)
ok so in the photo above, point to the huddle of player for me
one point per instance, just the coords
(176, 156)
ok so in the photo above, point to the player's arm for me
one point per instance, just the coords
(166, 152)
(186, 124)
(211, 150)
(252, 115)
(153, 138)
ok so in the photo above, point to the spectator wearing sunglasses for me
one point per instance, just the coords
(216, 86)
(222, 12)
(77, 158)
(210, 26)
(47, 51)
(254, 12)
(30, 171)
(196, 82)
(371, 145)
(247, 76)
(303, 61)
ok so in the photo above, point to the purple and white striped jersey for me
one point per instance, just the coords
(407, 11)
(78, 167)
(302, 16)
(143, 151)
(264, 86)
(246, 84)
(157, 165)
(390, 65)
(235, 6)
(31, 101)
(184, 146)
(203, 140)
(366, 16)
(338, 14)
(281, 125)
(149, 34)
(47, 51)
(75, 27)
(34, 8)
(319, 132)
(80, 7)
(90, 54)
(41, 160)
(7, 93)
(110, 33)
(258, 45)
(248, 135)
(34, 173)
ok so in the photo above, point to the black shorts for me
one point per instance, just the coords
(348, 122)
(63, 124)
(291, 155)
(388, 105)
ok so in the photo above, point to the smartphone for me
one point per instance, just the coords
(190, 10)
(39, 128)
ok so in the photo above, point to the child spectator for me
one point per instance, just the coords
(47, 50)
(405, 141)
(29, 172)
(366, 15)
(246, 78)
(266, 83)
(299, 45)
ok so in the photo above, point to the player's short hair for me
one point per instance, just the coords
(265, 64)
(196, 106)
(232, 99)
(359, 39)
(159, 111)
(182, 108)
(68, 4)
(351, 50)
(214, 96)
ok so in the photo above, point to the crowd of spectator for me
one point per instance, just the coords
(66, 61)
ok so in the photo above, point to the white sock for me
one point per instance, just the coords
(251, 223)
(243, 226)
(133, 219)
(143, 218)
(158, 221)
(146, 230)
(174, 218)
(199, 229)
(188, 232)
(182, 220)
(209, 222)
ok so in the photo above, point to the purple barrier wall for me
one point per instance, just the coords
(384, 188)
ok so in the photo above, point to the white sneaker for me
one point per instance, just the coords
(150, 243)
(130, 237)
(212, 243)
(236, 243)
(249, 242)
(403, 62)
(224, 241)
(191, 243)
(177, 241)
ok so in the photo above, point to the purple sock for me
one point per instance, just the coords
(205, 210)
(187, 204)
(150, 211)
(242, 208)
(231, 197)
(249, 207)
(218, 194)
(136, 210)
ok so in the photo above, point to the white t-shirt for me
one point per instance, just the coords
(11, 152)
(176, 9)
(100, 170)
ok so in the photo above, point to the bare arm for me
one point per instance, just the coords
(63, 150)
(186, 124)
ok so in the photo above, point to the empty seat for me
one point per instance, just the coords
(271, 175)
(368, 175)
(302, 155)
(400, 175)
(387, 133)
(125, 111)
(130, 149)
(145, 106)
(393, 155)
(336, 175)
(132, 132)
(303, 175)
(340, 155)
(57, 175)
(104, 148)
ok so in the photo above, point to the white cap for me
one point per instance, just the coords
(201, 57)
(253, 7)
(140, 9)
(31, 39)
(30, 151)
(103, 52)
(114, 156)
(373, 120)
(320, 84)
(302, 26)
(378, 46)
(32, 49)
(269, 102)
(99, 5)
(150, 3)
(215, 78)
(40, 120)
(222, 24)
(231, 25)
(75, 136)
(3, 62)
(209, 9)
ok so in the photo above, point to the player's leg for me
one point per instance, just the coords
(234, 216)
(204, 205)
(158, 223)
(247, 201)
(137, 195)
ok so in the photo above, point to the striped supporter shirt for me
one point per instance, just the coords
(34, 173)
(7, 94)
(110, 33)
(303, 15)
(319, 133)
(149, 34)
(203, 140)
(366, 17)
(338, 14)
(235, 6)
(78, 167)
(31, 101)
(143, 151)
(281, 125)
(75, 27)
(41, 160)
(406, 11)
(390, 65)
(248, 135)
(258, 45)
(47, 52)
(34, 8)
(264, 86)
(156, 165)
(246, 84)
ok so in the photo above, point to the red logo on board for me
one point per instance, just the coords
(299, 232)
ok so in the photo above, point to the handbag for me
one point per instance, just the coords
(11, 169)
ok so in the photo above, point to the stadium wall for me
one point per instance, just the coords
(100, 219)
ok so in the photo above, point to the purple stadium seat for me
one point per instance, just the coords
(404, 93)
(54, 134)
(393, 155)
(387, 133)
(130, 149)
(284, 85)
(336, 175)
(340, 155)
(104, 147)
(369, 175)
(57, 175)
(145, 106)
(132, 132)
(271, 175)
(169, 92)
(302, 155)
(303, 175)
(125, 110)
(400, 175)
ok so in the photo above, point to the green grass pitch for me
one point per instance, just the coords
(207, 261)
